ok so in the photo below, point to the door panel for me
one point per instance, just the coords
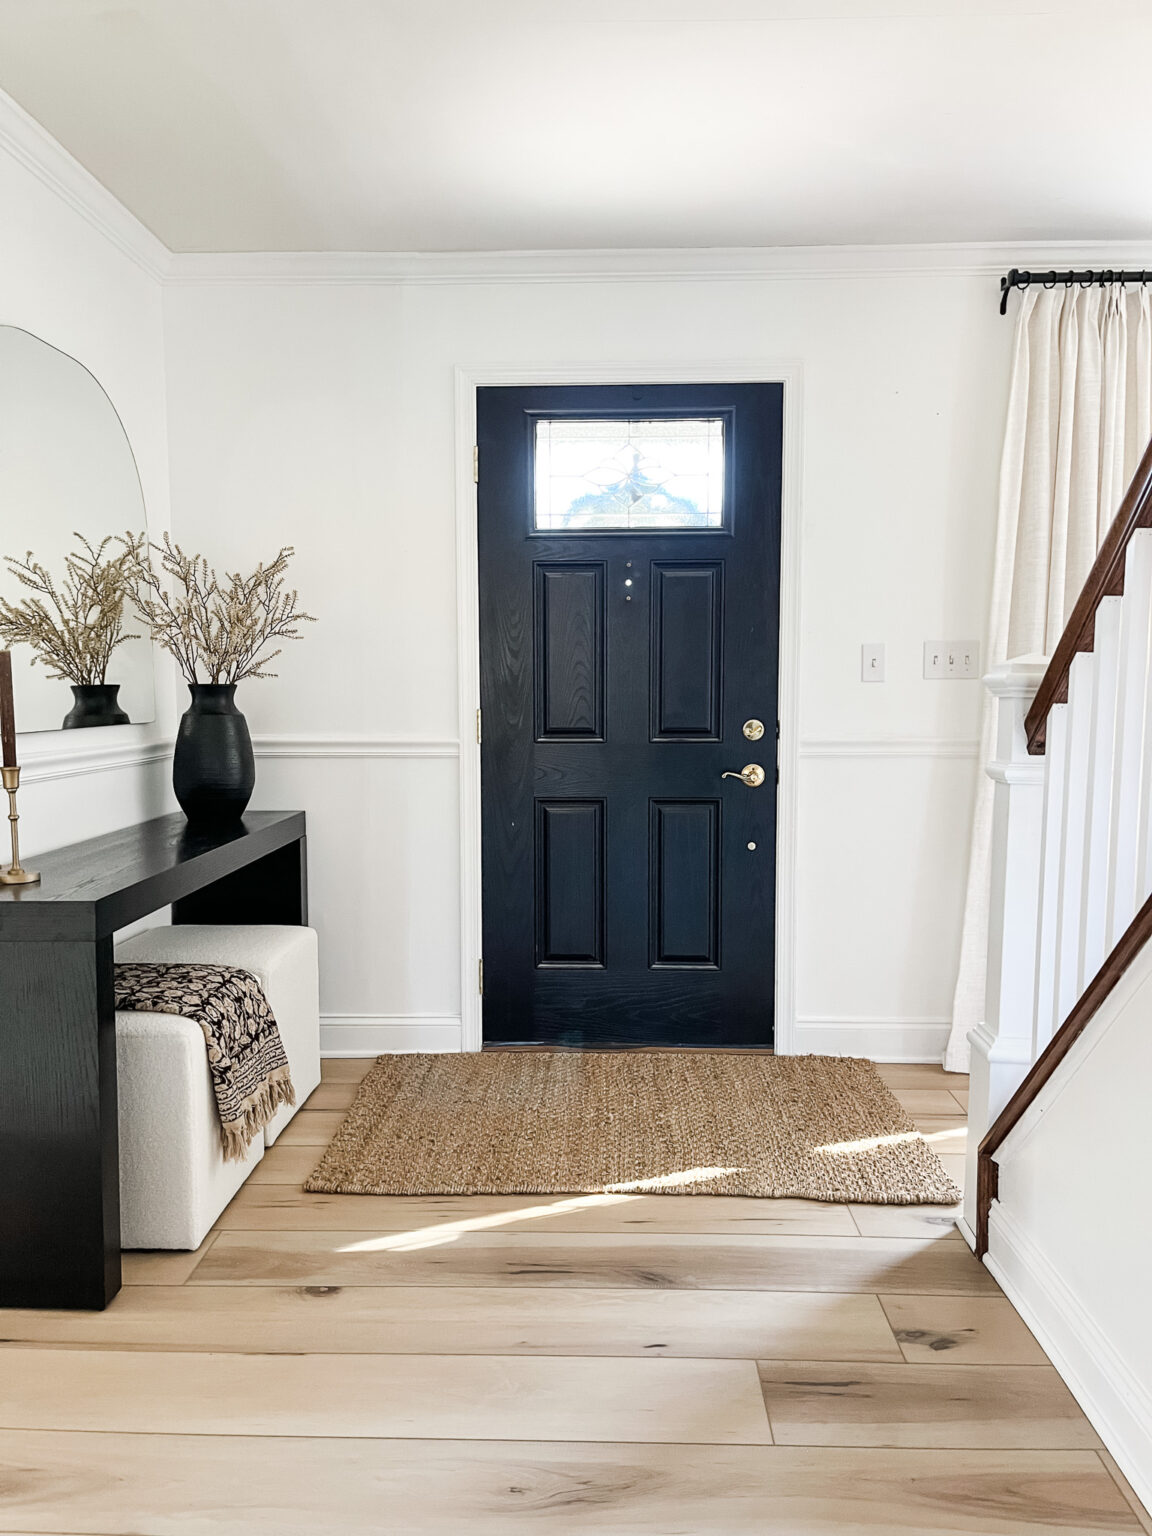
(686, 651)
(628, 887)
(569, 652)
(570, 882)
(684, 883)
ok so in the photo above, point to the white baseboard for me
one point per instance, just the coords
(1116, 1401)
(367, 1034)
(889, 1039)
(880, 1039)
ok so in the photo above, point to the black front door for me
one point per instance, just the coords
(629, 593)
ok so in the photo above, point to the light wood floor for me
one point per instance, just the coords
(626, 1366)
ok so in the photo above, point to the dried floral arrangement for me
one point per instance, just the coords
(75, 626)
(218, 630)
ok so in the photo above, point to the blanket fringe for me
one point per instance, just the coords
(237, 1136)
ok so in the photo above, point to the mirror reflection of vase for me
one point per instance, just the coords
(94, 704)
(66, 467)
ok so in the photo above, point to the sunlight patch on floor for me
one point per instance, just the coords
(677, 1180)
(870, 1143)
(449, 1231)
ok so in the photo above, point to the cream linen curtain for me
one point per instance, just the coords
(1079, 417)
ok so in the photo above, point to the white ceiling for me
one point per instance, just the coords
(408, 125)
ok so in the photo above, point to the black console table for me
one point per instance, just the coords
(59, 1152)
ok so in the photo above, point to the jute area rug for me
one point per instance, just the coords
(672, 1122)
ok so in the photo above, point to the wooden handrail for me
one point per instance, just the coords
(1105, 579)
(1127, 947)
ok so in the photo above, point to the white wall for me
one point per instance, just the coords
(67, 275)
(1069, 1239)
(320, 413)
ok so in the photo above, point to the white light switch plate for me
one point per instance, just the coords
(951, 658)
(871, 663)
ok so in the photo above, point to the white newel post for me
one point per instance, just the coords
(1002, 1043)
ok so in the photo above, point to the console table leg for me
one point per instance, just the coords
(59, 1185)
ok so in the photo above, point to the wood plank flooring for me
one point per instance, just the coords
(626, 1366)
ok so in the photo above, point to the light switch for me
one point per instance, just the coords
(951, 658)
(871, 663)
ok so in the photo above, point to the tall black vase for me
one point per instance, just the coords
(94, 704)
(213, 769)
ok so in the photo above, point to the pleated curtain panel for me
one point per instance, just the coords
(1079, 418)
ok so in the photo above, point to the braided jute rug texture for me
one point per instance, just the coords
(672, 1122)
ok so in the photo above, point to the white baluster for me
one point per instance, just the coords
(1125, 890)
(1098, 809)
(1055, 761)
(1002, 1043)
(1073, 833)
(1144, 813)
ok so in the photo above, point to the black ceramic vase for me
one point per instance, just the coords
(213, 769)
(94, 704)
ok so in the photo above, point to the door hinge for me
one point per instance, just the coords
(479, 728)
(476, 463)
(480, 977)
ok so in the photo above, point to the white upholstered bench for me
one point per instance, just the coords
(174, 1181)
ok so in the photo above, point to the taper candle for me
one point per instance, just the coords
(7, 711)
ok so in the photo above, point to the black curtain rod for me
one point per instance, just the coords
(1085, 279)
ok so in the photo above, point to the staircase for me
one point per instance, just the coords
(1061, 1104)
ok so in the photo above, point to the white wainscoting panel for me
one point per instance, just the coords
(875, 934)
(383, 862)
(882, 854)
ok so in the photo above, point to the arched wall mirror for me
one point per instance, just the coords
(66, 468)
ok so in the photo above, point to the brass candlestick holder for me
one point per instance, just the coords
(15, 875)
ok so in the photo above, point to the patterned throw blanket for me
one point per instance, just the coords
(247, 1061)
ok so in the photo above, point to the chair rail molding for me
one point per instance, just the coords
(475, 375)
(69, 762)
(339, 745)
(889, 746)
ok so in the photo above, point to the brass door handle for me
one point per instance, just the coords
(751, 774)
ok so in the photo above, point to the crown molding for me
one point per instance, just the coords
(766, 263)
(34, 148)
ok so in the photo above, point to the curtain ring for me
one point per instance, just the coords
(1068, 276)
(1087, 281)
(1050, 280)
(1023, 280)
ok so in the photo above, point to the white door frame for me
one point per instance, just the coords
(479, 375)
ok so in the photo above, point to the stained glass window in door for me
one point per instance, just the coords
(595, 475)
